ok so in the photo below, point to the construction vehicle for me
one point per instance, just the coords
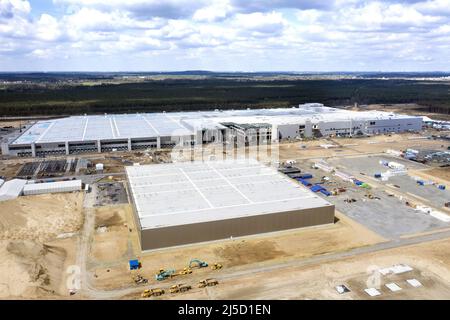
(140, 279)
(197, 263)
(185, 271)
(208, 283)
(372, 197)
(216, 266)
(152, 292)
(179, 288)
(164, 274)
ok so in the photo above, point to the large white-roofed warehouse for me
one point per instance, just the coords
(190, 202)
(103, 133)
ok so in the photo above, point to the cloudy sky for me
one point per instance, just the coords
(224, 35)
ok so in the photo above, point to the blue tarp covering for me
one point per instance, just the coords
(326, 192)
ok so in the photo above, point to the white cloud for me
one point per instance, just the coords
(40, 53)
(11, 8)
(218, 10)
(265, 23)
(47, 28)
(300, 32)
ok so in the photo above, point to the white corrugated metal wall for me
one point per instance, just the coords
(52, 187)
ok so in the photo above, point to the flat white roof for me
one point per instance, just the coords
(146, 125)
(12, 189)
(191, 192)
(76, 184)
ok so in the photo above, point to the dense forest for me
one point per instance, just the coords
(26, 99)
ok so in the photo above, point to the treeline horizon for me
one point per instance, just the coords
(217, 93)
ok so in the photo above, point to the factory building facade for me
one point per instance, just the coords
(189, 202)
(82, 134)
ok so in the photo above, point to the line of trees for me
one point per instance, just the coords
(207, 94)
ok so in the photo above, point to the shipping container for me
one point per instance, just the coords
(316, 188)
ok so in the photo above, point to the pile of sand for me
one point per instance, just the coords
(29, 269)
(40, 217)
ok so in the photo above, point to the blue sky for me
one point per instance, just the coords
(224, 35)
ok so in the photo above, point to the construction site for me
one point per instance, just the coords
(351, 213)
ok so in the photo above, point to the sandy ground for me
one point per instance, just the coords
(32, 260)
(431, 263)
(440, 174)
(111, 239)
(14, 123)
(9, 169)
(356, 146)
(237, 253)
(40, 217)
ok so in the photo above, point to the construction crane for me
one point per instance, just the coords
(208, 283)
(152, 292)
(164, 274)
(198, 263)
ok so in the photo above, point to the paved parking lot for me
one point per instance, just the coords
(389, 216)
(430, 192)
(370, 165)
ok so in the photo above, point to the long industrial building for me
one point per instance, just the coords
(101, 133)
(191, 202)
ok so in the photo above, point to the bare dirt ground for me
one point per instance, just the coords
(236, 253)
(9, 170)
(13, 123)
(430, 261)
(357, 146)
(32, 259)
(442, 174)
(40, 217)
(111, 238)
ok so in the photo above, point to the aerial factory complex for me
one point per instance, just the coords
(292, 203)
(80, 134)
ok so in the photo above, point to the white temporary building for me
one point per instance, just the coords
(52, 187)
(11, 189)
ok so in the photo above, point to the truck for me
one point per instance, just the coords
(152, 292)
(177, 288)
(208, 283)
